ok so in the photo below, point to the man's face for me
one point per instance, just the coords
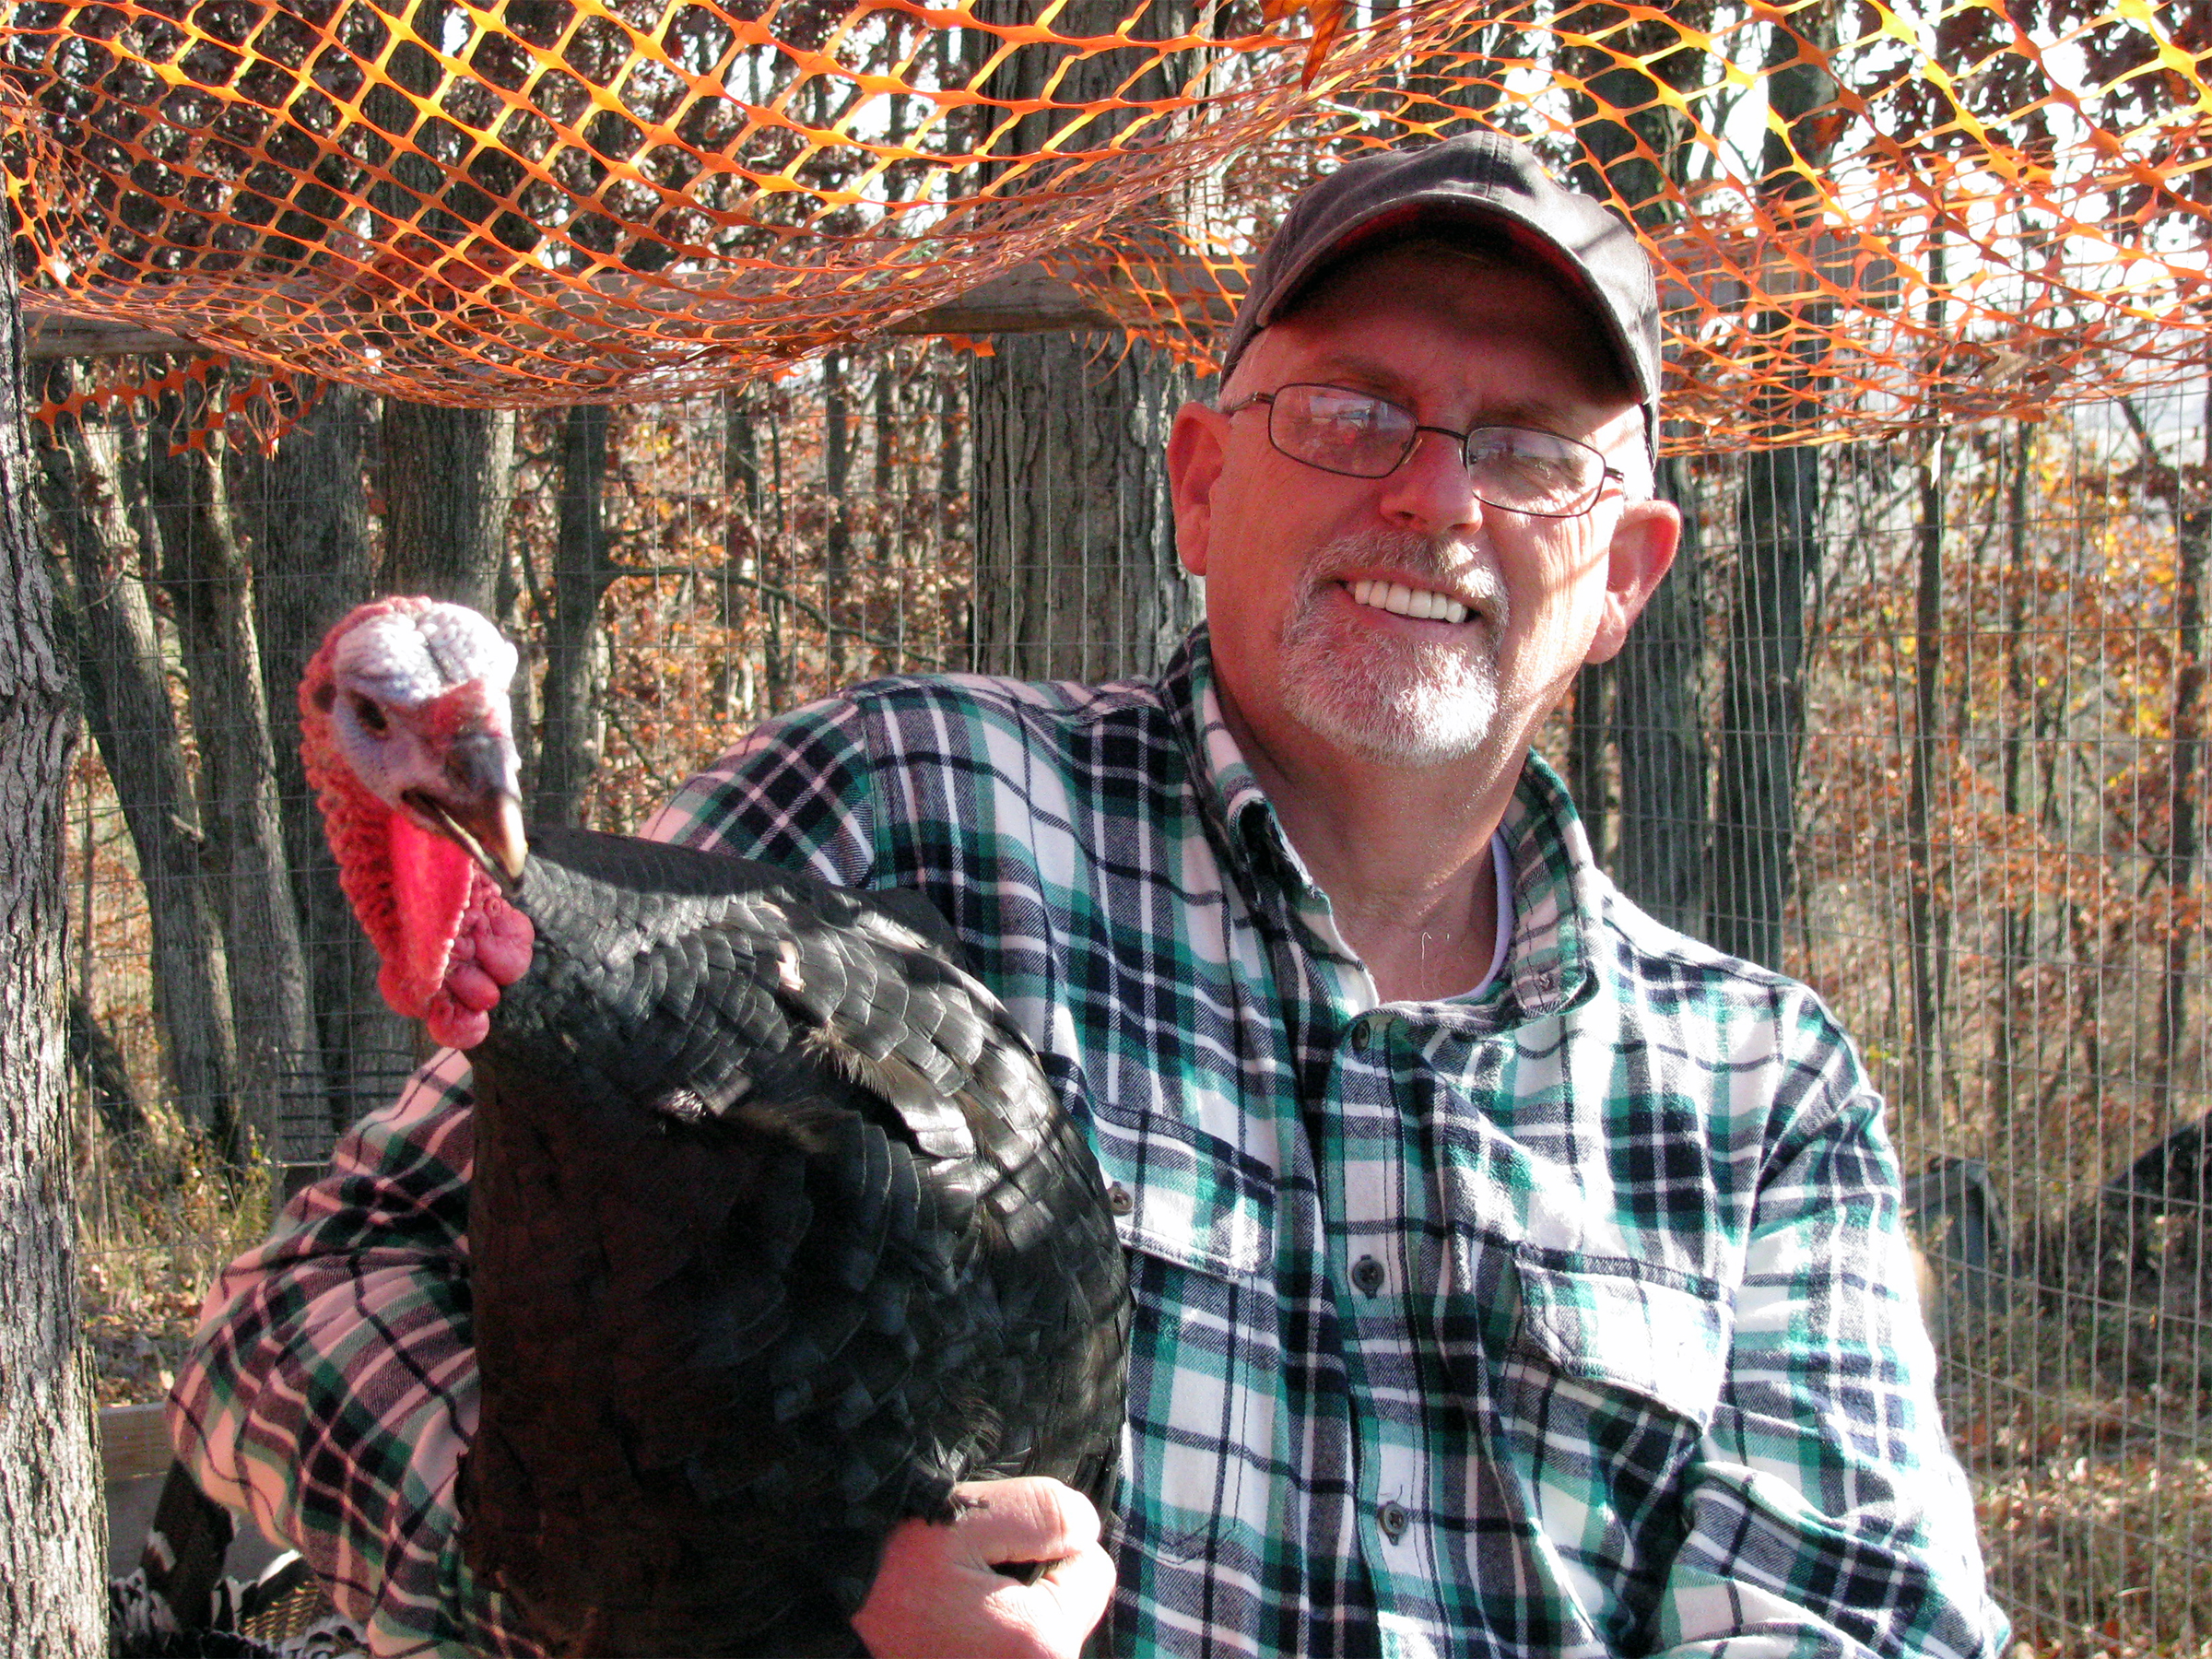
(1334, 603)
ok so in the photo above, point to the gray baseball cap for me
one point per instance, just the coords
(1484, 179)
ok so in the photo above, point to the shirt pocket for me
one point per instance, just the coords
(1612, 1376)
(1204, 1363)
(1619, 1325)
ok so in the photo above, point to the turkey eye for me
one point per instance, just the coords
(369, 715)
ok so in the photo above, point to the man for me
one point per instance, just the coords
(1513, 1275)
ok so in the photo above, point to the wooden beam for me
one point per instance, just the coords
(1026, 300)
(48, 336)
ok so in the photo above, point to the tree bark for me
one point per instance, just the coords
(1660, 730)
(1636, 146)
(1076, 572)
(307, 506)
(210, 585)
(449, 480)
(2014, 1026)
(97, 1058)
(575, 670)
(1588, 723)
(736, 692)
(1924, 877)
(839, 604)
(1763, 716)
(53, 1532)
(89, 472)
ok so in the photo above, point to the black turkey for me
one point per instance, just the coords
(775, 1231)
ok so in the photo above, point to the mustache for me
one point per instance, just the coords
(1438, 561)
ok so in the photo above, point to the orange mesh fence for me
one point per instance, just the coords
(1866, 217)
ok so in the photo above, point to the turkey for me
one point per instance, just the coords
(775, 1228)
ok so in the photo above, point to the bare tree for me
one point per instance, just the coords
(1925, 915)
(2190, 502)
(209, 581)
(1636, 133)
(91, 477)
(575, 671)
(448, 479)
(52, 1536)
(1076, 572)
(307, 512)
(1762, 693)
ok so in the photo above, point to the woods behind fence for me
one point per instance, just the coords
(1920, 720)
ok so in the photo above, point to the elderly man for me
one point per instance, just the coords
(1513, 1275)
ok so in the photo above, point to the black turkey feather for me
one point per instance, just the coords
(776, 1230)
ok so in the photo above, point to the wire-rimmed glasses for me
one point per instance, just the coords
(1359, 435)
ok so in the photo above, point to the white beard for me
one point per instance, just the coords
(1390, 700)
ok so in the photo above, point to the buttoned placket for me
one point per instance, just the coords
(1365, 1193)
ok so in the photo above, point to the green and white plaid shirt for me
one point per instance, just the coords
(1572, 1317)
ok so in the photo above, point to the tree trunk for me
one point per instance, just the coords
(1660, 728)
(309, 513)
(87, 472)
(53, 1534)
(737, 693)
(1924, 877)
(777, 651)
(574, 662)
(840, 607)
(1587, 725)
(887, 517)
(97, 1058)
(1754, 841)
(1076, 573)
(2193, 543)
(449, 480)
(210, 585)
(1636, 145)
(2015, 1017)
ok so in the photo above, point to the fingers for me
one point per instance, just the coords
(1028, 1519)
(938, 1593)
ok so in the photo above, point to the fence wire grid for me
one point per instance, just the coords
(1918, 721)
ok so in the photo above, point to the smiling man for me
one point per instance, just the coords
(1513, 1277)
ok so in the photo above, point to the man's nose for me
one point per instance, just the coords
(1431, 490)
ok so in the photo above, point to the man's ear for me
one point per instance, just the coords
(1194, 456)
(1642, 547)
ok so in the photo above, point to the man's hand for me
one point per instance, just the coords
(938, 1593)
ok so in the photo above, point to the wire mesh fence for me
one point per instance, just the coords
(1918, 721)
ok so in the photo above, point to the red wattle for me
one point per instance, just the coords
(430, 882)
(453, 1025)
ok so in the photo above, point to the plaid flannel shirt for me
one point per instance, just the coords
(1573, 1317)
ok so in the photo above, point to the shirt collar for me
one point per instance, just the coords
(1558, 890)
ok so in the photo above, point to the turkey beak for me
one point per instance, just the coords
(485, 805)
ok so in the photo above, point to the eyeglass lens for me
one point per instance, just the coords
(1350, 432)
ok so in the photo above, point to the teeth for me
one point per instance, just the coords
(1402, 601)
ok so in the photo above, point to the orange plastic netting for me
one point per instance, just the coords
(1866, 216)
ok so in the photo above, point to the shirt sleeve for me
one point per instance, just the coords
(331, 1390)
(1825, 1513)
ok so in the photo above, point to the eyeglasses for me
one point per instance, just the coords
(1517, 469)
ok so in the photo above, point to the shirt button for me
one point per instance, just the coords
(1118, 1199)
(1362, 1036)
(1367, 1275)
(1394, 1520)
